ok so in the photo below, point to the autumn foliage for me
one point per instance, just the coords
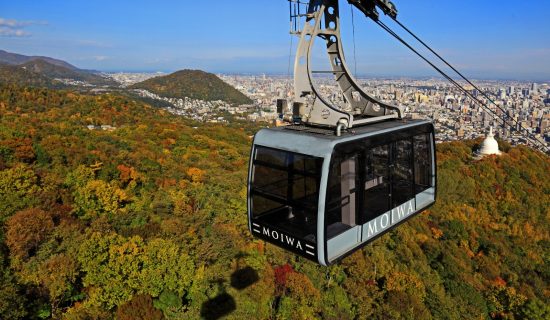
(281, 274)
(26, 229)
(148, 221)
(139, 308)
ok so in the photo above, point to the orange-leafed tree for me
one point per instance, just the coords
(139, 308)
(26, 229)
(196, 174)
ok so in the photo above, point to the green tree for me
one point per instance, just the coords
(13, 303)
(535, 309)
(58, 275)
(165, 266)
(301, 299)
(18, 190)
(97, 197)
(505, 301)
(116, 268)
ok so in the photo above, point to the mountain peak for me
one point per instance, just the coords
(47, 68)
(195, 84)
(17, 59)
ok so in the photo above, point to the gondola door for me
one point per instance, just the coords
(343, 230)
(401, 172)
(388, 193)
(377, 182)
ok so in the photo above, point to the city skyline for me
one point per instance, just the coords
(482, 40)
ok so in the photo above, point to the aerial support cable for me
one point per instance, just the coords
(322, 20)
(315, 19)
(368, 7)
(354, 47)
(323, 196)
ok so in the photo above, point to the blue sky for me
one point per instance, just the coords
(484, 39)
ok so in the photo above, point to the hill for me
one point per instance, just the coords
(194, 84)
(10, 74)
(16, 59)
(54, 71)
(147, 216)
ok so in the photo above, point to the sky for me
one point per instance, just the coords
(484, 39)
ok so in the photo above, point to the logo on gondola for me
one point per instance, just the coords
(388, 219)
(325, 113)
(284, 239)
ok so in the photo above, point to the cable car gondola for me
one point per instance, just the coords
(323, 196)
(338, 177)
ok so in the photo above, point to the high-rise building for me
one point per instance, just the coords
(502, 93)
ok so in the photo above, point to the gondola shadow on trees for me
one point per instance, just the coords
(223, 304)
(244, 278)
(217, 307)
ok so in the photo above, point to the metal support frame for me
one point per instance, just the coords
(322, 20)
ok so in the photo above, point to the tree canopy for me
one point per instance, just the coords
(148, 221)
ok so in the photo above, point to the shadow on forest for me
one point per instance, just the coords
(223, 304)
(244, 278)
(219, 306)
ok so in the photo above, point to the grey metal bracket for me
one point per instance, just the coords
(322, 20)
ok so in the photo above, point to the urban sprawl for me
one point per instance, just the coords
(456, 116)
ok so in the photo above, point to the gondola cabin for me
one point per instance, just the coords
(324, 196)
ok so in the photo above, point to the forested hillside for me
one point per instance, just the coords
(16, 75)
(195, 84)
(147, 220)
(53, 71)
(39, 71)
(17, 59)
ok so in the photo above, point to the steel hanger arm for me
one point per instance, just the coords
(322, 21)
(368, 7)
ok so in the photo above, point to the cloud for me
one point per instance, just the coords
(14, 28)
(10, 32)
(10, 23)
(100, 58)
(92, 43)
(158, 60)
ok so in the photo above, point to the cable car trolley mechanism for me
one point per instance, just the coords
(338, 176)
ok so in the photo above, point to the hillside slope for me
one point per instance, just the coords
(58, 72)
(16, 59)
(149, 217)
(194, 84)
(10, 74)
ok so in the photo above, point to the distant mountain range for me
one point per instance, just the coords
(42, 71)
(17, 59)
(195, 84)
(58, 72)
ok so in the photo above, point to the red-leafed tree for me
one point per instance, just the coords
(281, 275)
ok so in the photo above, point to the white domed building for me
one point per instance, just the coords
(489, 145)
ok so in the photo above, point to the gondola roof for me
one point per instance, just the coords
(321, 141)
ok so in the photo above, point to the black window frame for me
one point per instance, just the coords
(429, 157)
(309, 202)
